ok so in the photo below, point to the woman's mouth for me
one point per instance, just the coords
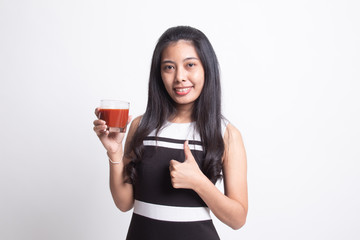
(182, 91)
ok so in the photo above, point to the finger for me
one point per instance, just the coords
(97, 111)
(172, 164)
(99, 122)
(173, 183)
(99, 126)
(172, 174)
(100, 129)
(187, 151)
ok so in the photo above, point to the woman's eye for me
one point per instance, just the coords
(191, 64)
(168, 67)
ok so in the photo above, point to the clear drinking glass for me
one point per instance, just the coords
(115, 113)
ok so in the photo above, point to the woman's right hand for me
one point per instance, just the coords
(112, 141)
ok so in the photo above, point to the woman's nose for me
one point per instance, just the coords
(180, 75)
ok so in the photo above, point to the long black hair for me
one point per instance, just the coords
(206, 110)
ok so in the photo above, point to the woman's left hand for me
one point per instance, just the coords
(185, 174)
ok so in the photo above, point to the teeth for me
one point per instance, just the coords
(182, 89)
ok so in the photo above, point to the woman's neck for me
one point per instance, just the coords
(183, 114)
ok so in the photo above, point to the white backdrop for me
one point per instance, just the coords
(290, 75)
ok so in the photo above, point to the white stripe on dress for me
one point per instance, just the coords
(171, 213)
(160, 143)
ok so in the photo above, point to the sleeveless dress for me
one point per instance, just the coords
(162, 212)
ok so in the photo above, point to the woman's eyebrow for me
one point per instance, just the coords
(186, 59)
(167, 61)
(190, 58)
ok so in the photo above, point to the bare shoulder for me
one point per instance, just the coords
(137, 120)
(134, 125)
(234, 145)
(232, 135)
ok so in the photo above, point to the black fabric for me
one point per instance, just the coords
(143, 228)
(154, 184)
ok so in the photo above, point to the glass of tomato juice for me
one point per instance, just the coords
(115, 113)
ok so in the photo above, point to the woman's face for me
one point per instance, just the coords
(182, 72)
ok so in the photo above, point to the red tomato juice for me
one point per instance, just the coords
(114, 117)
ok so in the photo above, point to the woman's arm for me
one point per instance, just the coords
(231, 207)
(121, 192)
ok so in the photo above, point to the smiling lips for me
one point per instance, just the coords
(183, 90)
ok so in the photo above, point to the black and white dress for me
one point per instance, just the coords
(161, 211)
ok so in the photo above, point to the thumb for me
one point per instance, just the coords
(187, 151)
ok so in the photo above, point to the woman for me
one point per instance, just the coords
(179, 148)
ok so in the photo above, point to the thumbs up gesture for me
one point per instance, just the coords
(185, 174)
